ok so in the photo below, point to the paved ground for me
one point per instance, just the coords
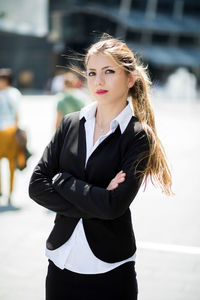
(167, 230)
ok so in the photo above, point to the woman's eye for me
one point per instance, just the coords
(109, 71)
(91, 73)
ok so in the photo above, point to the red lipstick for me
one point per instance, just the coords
(101, 92)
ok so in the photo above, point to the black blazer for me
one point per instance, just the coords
(80, 192)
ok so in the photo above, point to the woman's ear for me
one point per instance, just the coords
(131, 79)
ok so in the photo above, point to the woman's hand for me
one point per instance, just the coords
(120, 177)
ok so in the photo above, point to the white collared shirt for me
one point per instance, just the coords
(75, 254)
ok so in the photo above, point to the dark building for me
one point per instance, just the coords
(165, 33)
(23, 42)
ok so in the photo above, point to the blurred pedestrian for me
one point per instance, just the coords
(68, 101)
(90, 173)
(10, 98)
(9, 104)
(57, 82)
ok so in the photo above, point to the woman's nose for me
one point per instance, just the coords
(99, 80)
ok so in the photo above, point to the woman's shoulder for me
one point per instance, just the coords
(68, 122)
(71, 118)
(134, 127)
(135, 136)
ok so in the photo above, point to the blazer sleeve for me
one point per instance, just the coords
(41, 189)
(103, 203)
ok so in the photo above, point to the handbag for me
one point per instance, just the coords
(21, 139)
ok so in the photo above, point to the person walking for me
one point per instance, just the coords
(90, 173)
(9, 105)
(68, 101)
(9, 100)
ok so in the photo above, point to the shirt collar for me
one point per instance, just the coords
(88, 112)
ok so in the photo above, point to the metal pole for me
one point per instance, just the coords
(151, 9)
(56, 33)
(178, 9)
(177, 15)
(150, 14)
(124, 10)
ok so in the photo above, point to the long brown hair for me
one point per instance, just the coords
(157, 168)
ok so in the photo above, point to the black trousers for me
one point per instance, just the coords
(117, 284)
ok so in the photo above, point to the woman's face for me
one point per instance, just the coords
(108, 83)
(3, 84)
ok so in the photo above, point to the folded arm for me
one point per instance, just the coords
(41, 188)
(103, 203)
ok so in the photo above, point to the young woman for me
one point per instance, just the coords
(90, 173)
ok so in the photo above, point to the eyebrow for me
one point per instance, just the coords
(102, 68)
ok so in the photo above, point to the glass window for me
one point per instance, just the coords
(160, 38)
(133, 36)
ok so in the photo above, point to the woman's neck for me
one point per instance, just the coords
(106, 113)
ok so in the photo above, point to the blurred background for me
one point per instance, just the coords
(165, 34)
(34, 34)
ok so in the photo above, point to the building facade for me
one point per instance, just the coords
(165, 33)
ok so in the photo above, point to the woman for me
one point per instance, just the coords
(68, 100)
(90, 173)
(10, 98)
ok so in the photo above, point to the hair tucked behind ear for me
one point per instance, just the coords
(157, 168)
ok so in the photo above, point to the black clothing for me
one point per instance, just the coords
(117, 284)
(81, 192)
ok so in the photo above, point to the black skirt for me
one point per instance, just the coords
(117, 284)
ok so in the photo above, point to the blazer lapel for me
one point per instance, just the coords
(82, 147)
(73, 154)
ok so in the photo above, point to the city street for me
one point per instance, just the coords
(167, 229)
